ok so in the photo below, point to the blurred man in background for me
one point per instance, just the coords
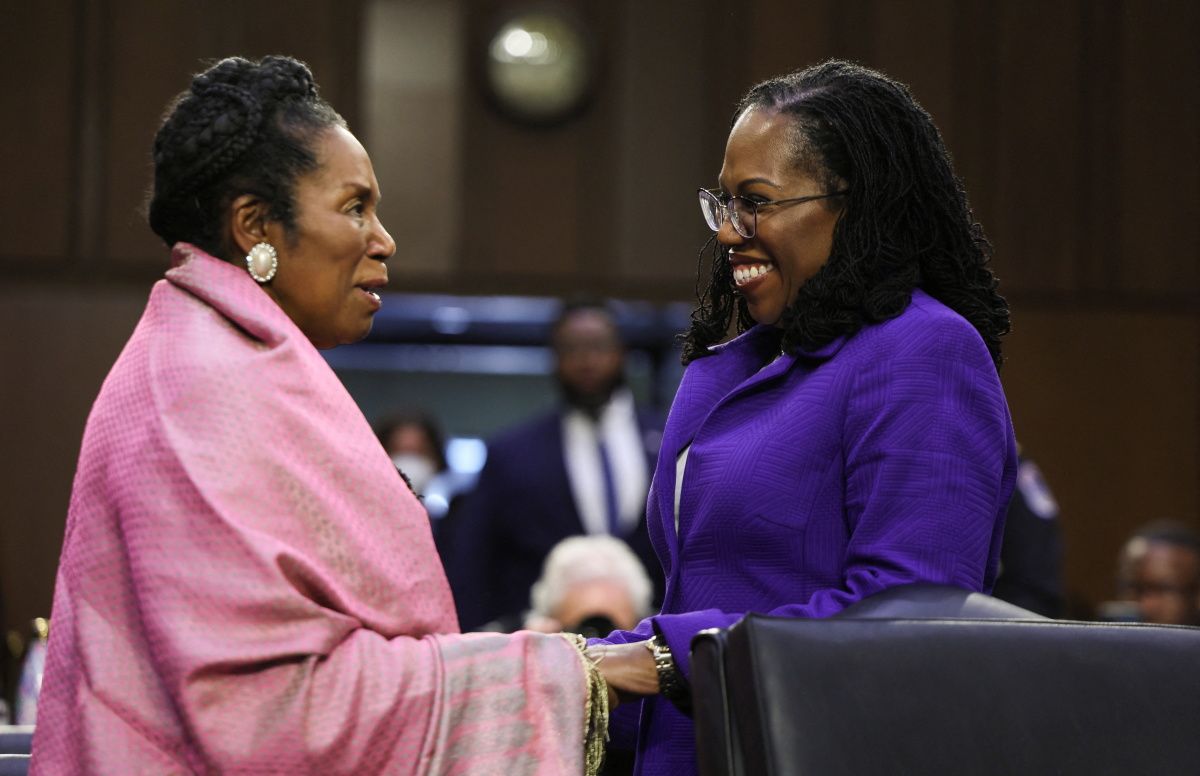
(1159, 571)
(582, 469)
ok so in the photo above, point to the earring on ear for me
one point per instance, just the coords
(262, 261)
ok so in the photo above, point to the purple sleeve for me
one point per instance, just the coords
(676, 629)
(642, 631)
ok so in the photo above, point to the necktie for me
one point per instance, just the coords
(610, 489)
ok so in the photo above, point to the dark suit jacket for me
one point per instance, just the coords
(1031, 565)
(522, 507)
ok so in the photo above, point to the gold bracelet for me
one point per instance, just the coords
(670, 684)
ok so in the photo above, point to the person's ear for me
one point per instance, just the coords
(248, 222)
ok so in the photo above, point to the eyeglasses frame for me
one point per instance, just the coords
(728, 213)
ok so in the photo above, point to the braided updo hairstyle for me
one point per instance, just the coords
(905, 222)
(242, 127)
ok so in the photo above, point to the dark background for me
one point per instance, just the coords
(1073, 123)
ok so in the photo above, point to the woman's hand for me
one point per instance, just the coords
(628, 668)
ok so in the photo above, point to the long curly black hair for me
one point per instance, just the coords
(905, 222)
(243, 127)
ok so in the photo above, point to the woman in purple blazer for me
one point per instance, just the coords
(854, 435)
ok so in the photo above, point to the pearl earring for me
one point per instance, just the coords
(262, 261)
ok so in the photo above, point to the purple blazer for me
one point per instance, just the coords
(816, 480)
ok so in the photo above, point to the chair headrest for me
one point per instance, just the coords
(926, 601)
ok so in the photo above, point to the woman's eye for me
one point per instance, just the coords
(358, 208)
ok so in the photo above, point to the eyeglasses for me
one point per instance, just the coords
(742, 212)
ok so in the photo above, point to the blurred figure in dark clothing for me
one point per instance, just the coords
(1031, 555)
(417, 446)
(583, 468)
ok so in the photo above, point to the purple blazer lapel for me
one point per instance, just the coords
(736, 366)
(719, 380)
(760, 377)
(710, 379)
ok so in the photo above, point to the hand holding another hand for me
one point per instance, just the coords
(627, 668)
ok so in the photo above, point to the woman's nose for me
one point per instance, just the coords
(727, 235)
(383, 246)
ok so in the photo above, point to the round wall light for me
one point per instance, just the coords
(538, 67)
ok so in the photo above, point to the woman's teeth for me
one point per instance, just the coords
(745, 273)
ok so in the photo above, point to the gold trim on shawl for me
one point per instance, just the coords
(595, 714)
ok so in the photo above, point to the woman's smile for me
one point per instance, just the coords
(747, 273)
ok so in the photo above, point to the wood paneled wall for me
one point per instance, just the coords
(75, 144)
(1072, 122)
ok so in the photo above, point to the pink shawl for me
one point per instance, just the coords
(247, 586)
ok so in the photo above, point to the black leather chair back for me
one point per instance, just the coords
(856, 695)
(938, 602)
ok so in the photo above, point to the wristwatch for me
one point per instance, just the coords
(671, 684)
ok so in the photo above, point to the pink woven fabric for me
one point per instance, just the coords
(247, 586)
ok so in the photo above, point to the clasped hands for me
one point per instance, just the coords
(627, 668)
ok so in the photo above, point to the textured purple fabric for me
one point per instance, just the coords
(817, 480)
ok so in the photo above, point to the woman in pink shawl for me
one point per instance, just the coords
(246, 585)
